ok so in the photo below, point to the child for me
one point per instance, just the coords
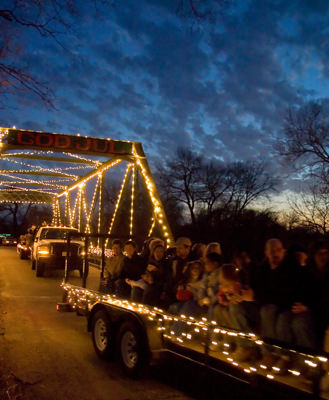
(232, 289)
(236, 300)
(138, 287)
(190, 287)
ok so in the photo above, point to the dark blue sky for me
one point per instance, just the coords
(142, 72)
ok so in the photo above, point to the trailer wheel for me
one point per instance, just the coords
(32, 263)
(132, 349)
(102, 334)
(40, 269)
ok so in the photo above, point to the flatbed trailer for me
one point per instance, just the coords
(141, 335)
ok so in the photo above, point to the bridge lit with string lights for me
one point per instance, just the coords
(70, 172)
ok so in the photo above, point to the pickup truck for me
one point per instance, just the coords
(140, 335)
(49, 250)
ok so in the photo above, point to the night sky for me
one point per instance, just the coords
(142, 71)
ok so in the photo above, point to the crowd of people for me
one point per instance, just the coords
(284, 299)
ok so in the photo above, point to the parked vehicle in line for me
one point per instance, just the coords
(49, 250)
(9, 241)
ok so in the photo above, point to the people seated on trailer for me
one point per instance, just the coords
(198, 251)
(152, 292)
(278, 288)
(242, 260)
(206, 296)
(213, 247)
(147, 289)
(210, 280)
(145, 252)
(113, 266)
(236, 308)
(176, 270)
(189, 287)
(298, 254)
(132, 268)
(318, 288)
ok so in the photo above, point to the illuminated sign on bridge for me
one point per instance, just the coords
(54, 141)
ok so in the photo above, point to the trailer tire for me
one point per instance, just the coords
(103, 335)
(132, 349)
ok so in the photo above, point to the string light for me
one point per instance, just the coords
(93, 202)
(132, 201)
(13, 183)
(118, 201)
(91, 176)
(152, 227)
(192, 332)
(158, 211)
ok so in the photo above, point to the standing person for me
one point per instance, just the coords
(318, 286)
(176, 270)
(133, 267)
(277, 286)
(113, 266)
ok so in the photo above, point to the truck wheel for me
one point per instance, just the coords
(102, 334)
(32, 263)
(132, 349)
(40, 269)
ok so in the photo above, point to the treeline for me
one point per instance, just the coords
(219, 201)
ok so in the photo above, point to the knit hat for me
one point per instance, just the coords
(156, 243)
(183, 241)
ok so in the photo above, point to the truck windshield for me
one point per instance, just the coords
(58, 234)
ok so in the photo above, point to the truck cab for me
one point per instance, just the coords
(49, 249)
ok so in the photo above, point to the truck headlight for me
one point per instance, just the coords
(43, 251)
(82, 252)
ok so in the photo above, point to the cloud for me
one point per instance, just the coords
(140, 73)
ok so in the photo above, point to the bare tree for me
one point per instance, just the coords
(216, 184)
(312, 209)
(50, 19)
(15, 212)
(306, 137)
(248, 181)
(181, 179)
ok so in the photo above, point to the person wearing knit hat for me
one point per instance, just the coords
(154, 244)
